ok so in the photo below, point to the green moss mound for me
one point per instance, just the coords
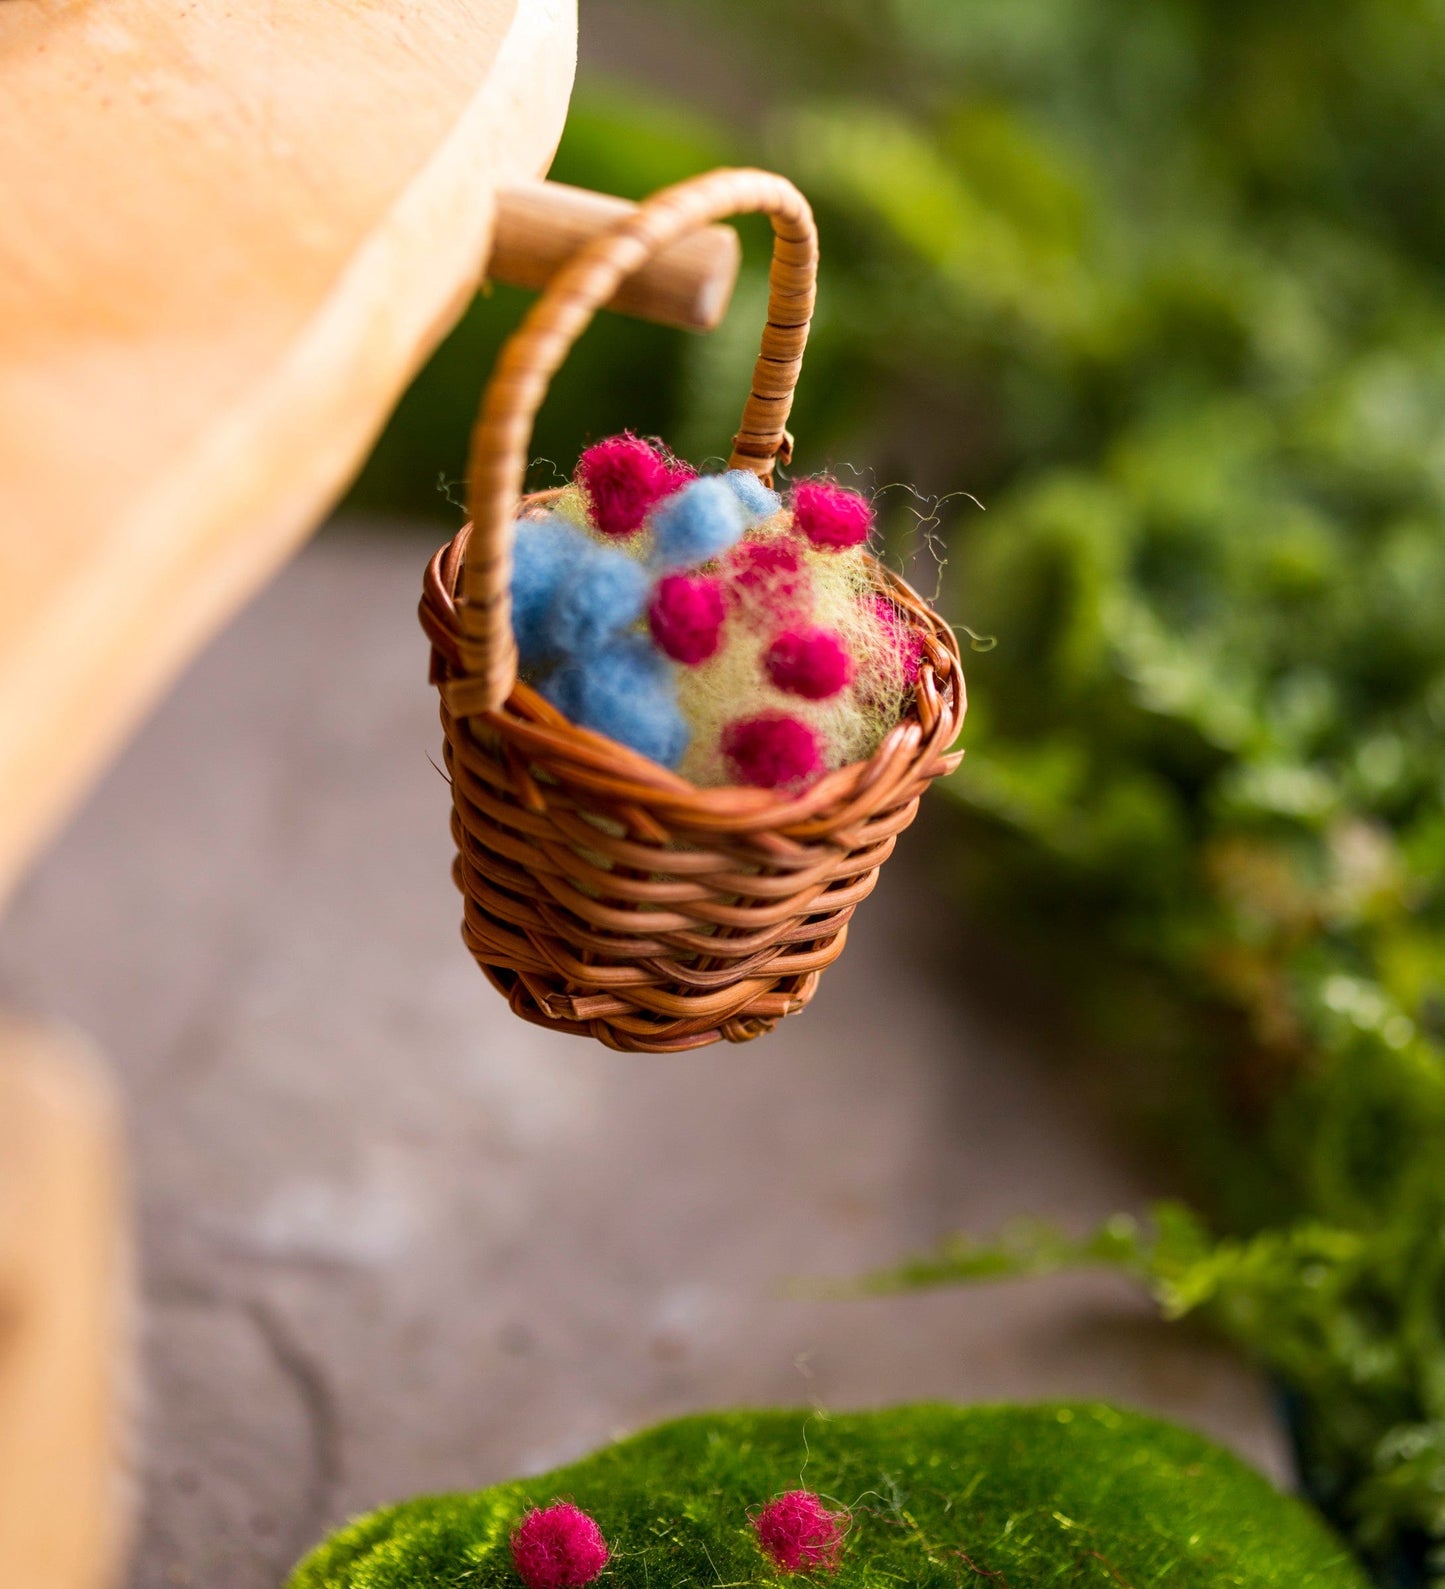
(941, 1497)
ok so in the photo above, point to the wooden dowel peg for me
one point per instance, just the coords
(540, 225)
(64, 1305)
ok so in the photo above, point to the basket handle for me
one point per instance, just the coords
(497, 463)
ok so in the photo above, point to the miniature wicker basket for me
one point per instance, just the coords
(605, 895)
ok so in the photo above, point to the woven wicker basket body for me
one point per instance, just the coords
(605, 895)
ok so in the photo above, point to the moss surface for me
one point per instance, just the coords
(1016, 1497)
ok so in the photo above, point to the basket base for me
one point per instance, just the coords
(622, 1027)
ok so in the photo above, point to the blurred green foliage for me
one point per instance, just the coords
(1163, 286)
(1170, 281)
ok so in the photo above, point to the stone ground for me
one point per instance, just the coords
(394, 1240)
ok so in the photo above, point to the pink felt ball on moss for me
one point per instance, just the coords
(686, 617)
(813, 663)
(558, 1547)
(800, 1534)
(771, 751)
(623, 476)
(831, 516)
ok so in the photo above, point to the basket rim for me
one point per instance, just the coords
(533, 730)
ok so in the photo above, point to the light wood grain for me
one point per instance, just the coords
(64, 1338)
(230, 234)
(540, 225)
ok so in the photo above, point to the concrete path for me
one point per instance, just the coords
(394, 1240)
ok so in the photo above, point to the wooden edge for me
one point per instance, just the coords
(65, 1317)
(541, 225)
(197, 546)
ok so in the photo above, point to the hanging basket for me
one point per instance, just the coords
(605, 895)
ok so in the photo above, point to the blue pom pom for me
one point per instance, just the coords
(601, 594)
(627, 691)
(563, 688)
(758, 502)
(544, 552)
(699, 523)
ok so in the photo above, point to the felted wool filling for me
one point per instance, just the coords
(775, 657)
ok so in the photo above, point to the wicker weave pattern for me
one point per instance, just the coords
(605, 895)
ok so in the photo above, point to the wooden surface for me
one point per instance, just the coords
(230, 233)
(540, 225)
(64, 1362)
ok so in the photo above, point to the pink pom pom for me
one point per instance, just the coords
(771, 751)
(558, 1547)
(831, 516)
(679, 474)
(686, 617)
(623, 476)
(768, 579)
(800, 1534)
(813, 663)
(907, 643)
